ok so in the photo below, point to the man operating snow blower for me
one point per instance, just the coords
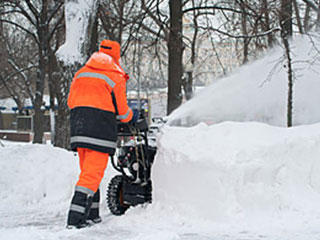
(97, 98)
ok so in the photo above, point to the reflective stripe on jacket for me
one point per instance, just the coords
(95, 90)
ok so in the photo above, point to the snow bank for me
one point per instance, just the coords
(258, 91)
(240, 173)
(35, 175)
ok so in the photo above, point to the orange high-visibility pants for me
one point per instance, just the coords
(92, 166)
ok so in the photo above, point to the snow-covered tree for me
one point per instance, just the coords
(80, 16)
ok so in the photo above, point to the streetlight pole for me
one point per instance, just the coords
(139, 73)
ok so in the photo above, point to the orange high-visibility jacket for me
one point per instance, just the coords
(97, 98)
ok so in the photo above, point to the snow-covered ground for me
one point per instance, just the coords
(226, 181)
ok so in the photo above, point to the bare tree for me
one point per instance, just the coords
(41, 27)
(16, 63)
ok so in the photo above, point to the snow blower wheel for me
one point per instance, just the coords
(115, 197)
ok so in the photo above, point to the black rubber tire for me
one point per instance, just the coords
(114, 196)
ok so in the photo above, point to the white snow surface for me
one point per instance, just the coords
(226, 181)
(258, 90)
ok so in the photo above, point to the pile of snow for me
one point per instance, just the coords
(225, 181)
(244, 174)
(258, 91)
(35, 175)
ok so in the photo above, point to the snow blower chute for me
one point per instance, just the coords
(134, 158)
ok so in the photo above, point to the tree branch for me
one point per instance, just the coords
(26, 80)
(153, 32)
(312, 5)
(155, 19)
(55, 27)
(18, 71)
(22, 28)
(54, 12)
(27, 16)
(216, 8)
(33, 9)
(242, 36)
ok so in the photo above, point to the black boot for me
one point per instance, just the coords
(94, 210)
(80, 207)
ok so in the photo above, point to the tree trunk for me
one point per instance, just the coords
(54, 77)
(38, 103)
(318, 18)
(286, 32)
(187, 82)
(296, 10)
(42, 30)
(175, 50)
(265, 10)
(286, 17)
(306, 21)
(290, 82)
(93, 41)
(62, 128)
(69, 66)
(246, 41)
(187, 85)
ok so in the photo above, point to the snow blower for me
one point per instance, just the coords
(134, 158)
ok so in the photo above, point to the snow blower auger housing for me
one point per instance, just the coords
(134, 158)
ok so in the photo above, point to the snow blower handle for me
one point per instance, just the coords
(140, 124)
(135, 116)
(142, 114)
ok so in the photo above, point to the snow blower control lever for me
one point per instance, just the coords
(134, 158)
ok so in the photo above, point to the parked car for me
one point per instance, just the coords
(154, 129)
